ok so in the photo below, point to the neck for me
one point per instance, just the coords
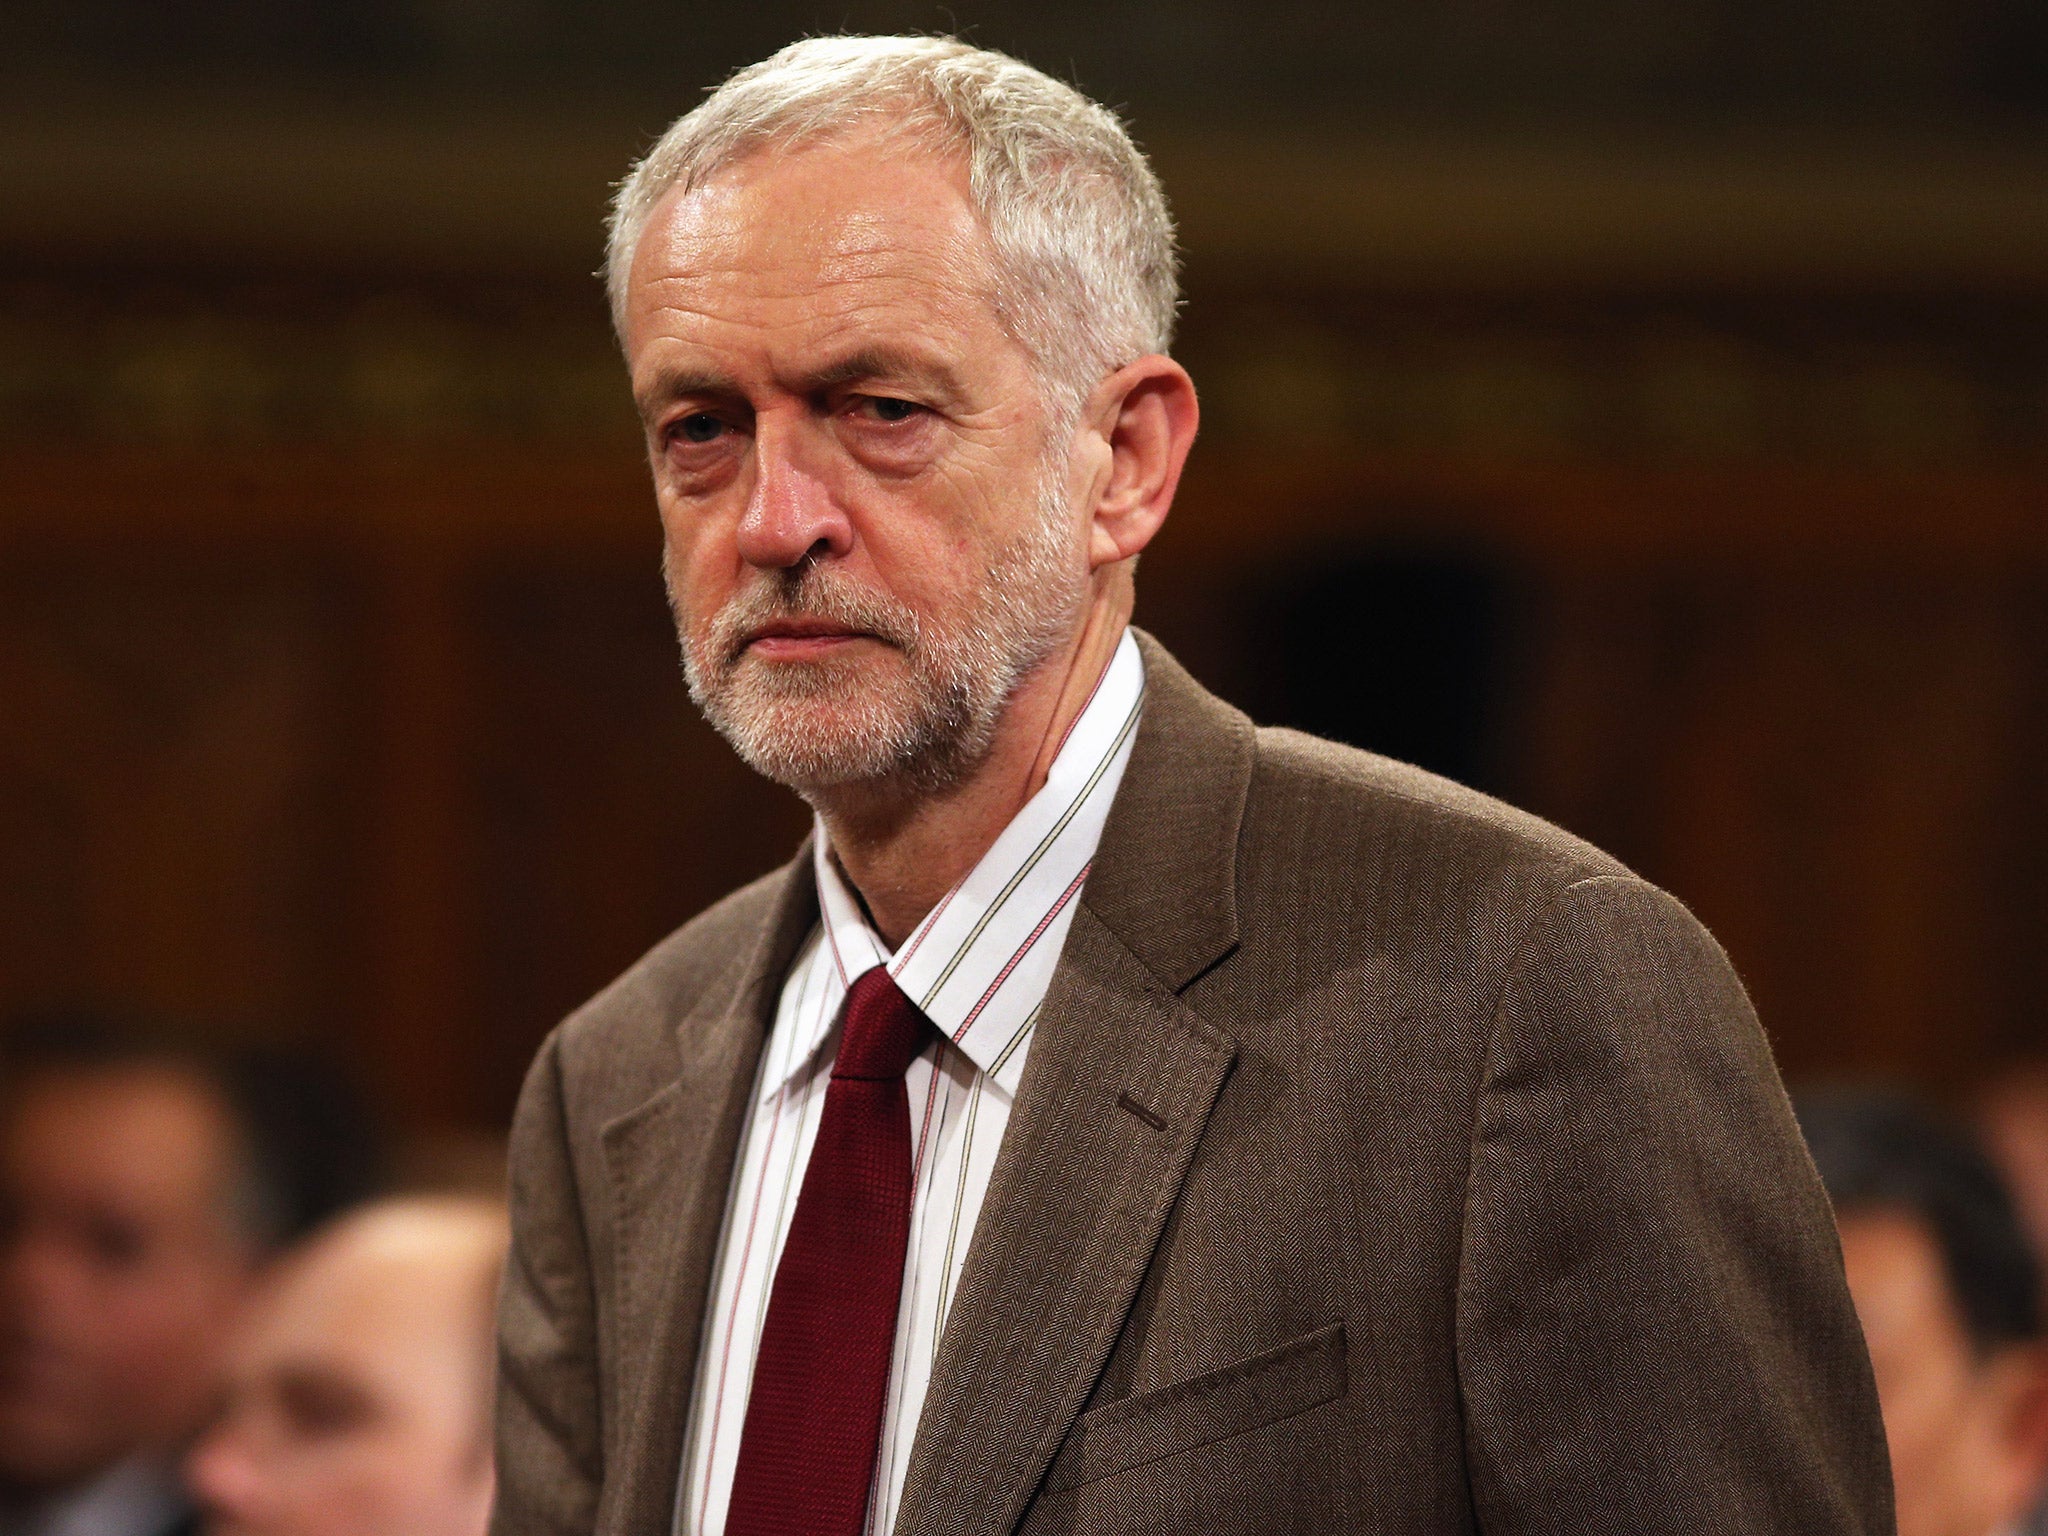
(903, 853)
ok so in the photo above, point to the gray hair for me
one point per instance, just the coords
(1086, 272)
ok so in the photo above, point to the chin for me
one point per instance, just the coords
(826, 742)
(814, 738)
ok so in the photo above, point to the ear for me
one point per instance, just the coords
(2029, 1405)
(1145, 415)
(2019, 1387)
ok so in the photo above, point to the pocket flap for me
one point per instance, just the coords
(1302, 1374)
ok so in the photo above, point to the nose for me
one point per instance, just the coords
(792, 514)
(223, 1476)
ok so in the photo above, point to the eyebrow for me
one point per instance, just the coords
(675, 383)
(881, 362)
(326, 1389)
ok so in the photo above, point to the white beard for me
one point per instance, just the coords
(923, 725)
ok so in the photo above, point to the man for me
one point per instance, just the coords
(1116, 1118)
(2012, 1111)
(1948, 1292)
(127, 1243)
(358, 1393)
(142, 1185)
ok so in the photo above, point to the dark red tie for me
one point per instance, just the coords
(814, 1415)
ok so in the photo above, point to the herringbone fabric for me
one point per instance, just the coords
(807, 1453)
(1386, 1161)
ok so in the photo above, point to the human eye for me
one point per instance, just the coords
(322, 1405)
(890, 434)
(697, 429)
(115, 1243)
(888, 408)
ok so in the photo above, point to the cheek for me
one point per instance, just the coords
(935, 542)
(1929, 1436)
(988, 482)
(182, 1306)
(153, 1325)
(358, 1485)
(684, 528)
(700, 558)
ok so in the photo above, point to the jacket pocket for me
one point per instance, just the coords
(1302, 1374)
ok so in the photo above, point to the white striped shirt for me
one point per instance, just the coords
(978, 966)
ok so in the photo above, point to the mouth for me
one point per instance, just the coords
(799, 639)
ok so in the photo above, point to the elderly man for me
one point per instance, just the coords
(358, 1394)
(1949, 1293)
(1116, 1117)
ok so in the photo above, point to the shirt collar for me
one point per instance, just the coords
(979, 964)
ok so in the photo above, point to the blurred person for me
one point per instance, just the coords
(1948, 1290)
(127, 1246)
(1116, 1117)
(142, 1185)
(2012, 1115)
(358, 1392)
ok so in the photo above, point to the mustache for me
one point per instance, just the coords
(815, 593)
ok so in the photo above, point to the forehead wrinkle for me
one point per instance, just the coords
(742, 225)
(761, 175)
(776, 295)
(878, 336)
(749, 293)
(741, 289)
(864, 247)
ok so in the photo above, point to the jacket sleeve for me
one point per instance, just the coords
(1654, 1334)
(549, 1446)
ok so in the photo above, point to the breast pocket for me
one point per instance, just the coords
(1302, 1374)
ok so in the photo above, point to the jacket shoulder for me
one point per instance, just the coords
(1391, 813)
(624, 1037)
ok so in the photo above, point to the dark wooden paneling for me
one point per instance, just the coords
(176, 782)
(392, 748)
(610, 812)
(1840, 772)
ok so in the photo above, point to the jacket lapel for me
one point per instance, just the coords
(670, 1163)
(1114, 1098)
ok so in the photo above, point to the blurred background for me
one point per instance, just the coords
(1640, 412)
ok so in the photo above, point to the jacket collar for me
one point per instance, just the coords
(1113, 1103)
(670, 1162)
(1165, 877)
(977, 964)
(1079, 1174)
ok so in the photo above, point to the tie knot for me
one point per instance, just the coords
(884, 1029)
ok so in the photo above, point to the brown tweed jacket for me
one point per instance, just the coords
(1386, 1160)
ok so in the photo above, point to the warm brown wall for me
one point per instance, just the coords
(384, 750)
(389, 747)
(337, 697)
(1813, 703)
